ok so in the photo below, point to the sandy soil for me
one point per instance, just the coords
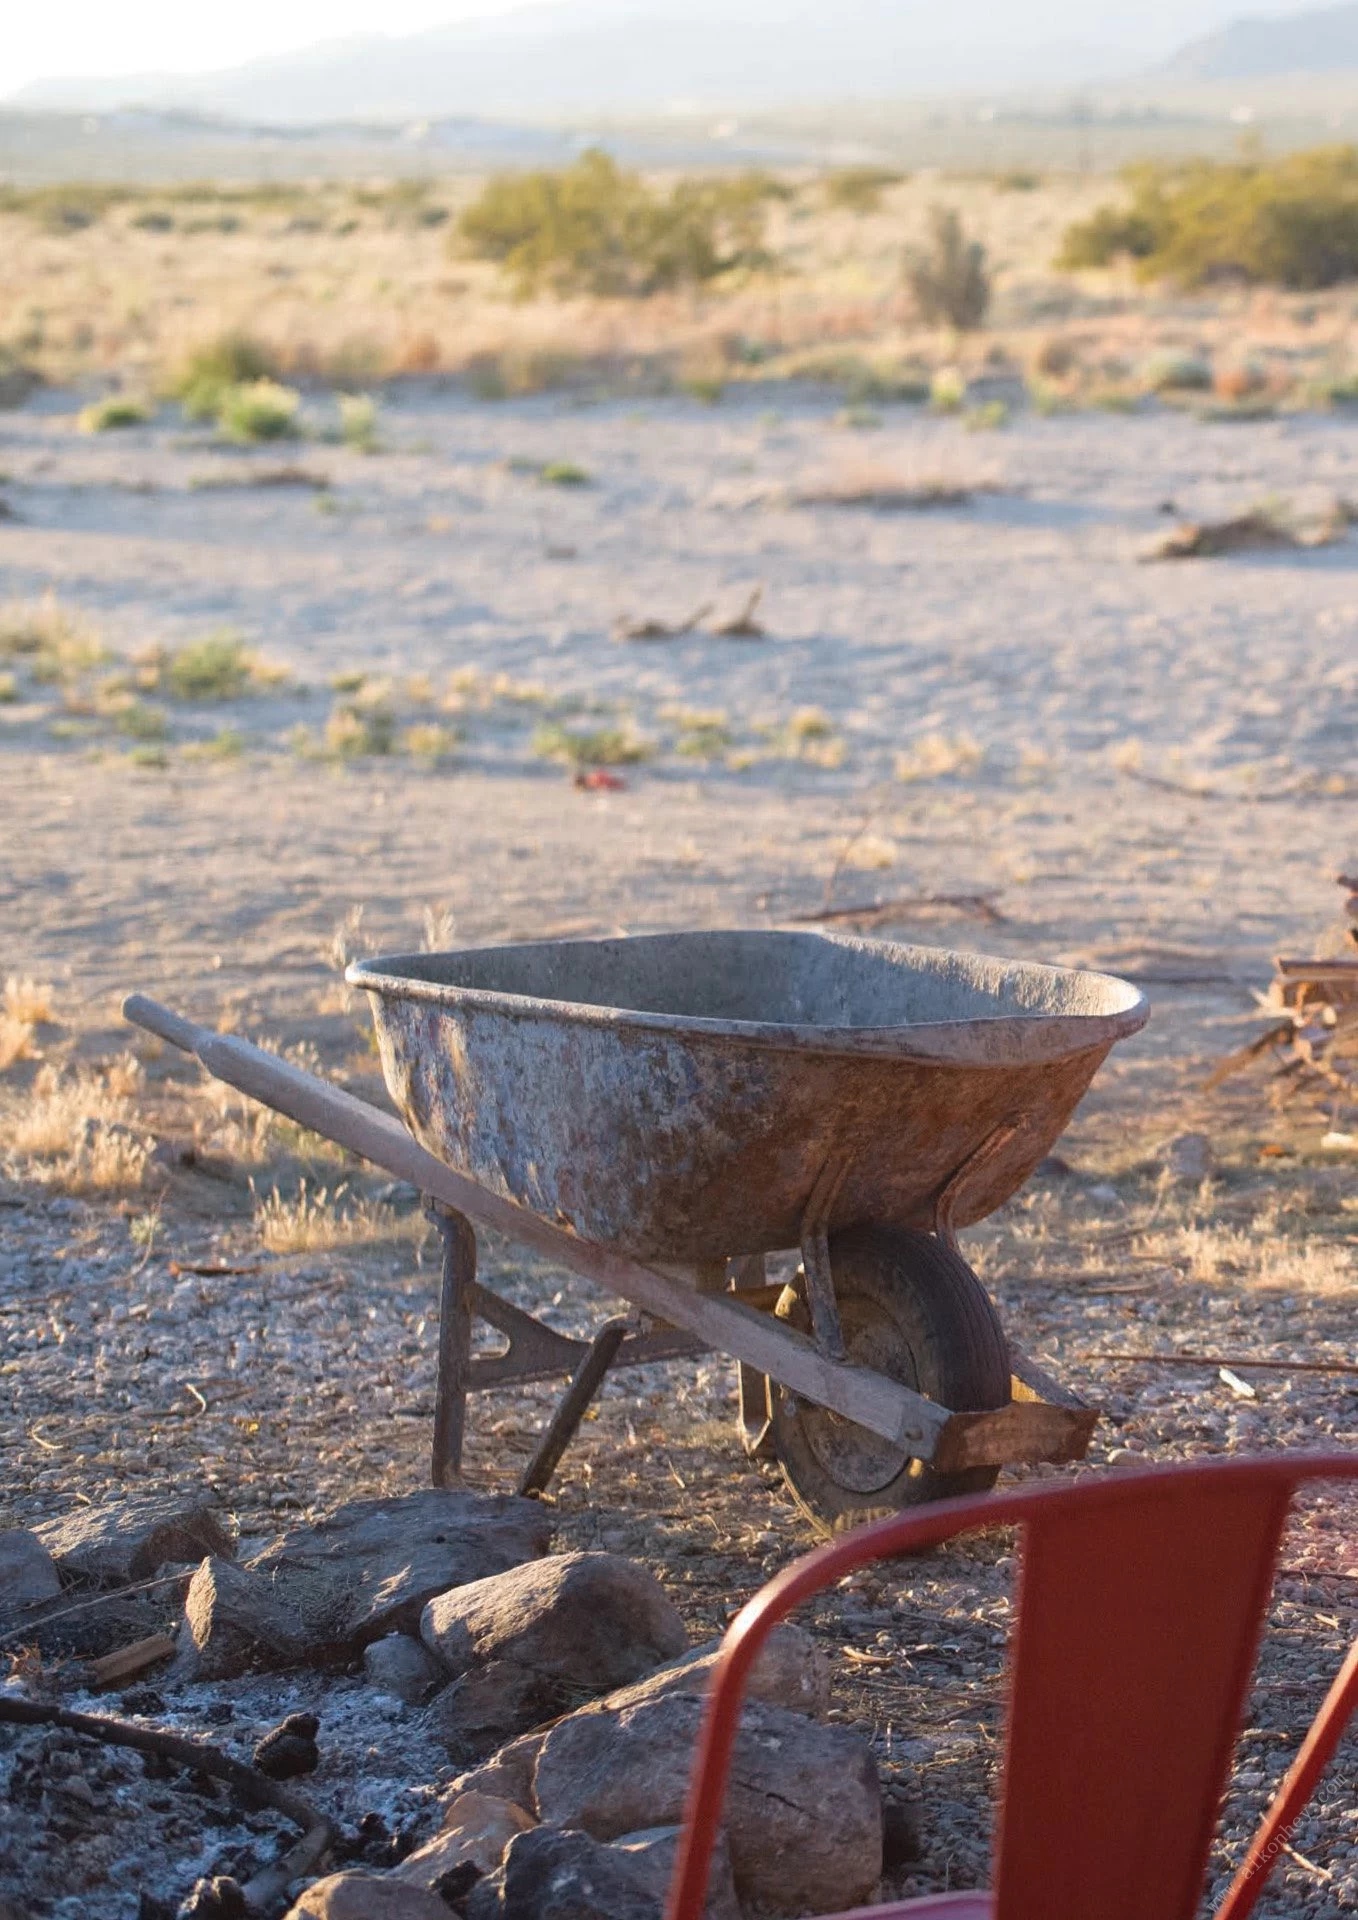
(1145, 766)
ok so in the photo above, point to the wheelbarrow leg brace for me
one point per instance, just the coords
(455, 1342)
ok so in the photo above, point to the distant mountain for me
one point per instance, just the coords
(639, 56)
(1270, 47)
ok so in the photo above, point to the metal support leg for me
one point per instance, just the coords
(756, 1425)
(573, 1404)
(820, 1286)
(455, 1342)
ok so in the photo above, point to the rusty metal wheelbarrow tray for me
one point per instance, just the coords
(679, 1096)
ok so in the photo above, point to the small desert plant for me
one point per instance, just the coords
(987, 418)
(139, 720)
(948, 390)
(358, 728)
(563, 473)
(599, 747)
(947, 279)
(258, 410)
(358, 421)
(218, 667)
(230, 360)
(429, 742)
(77, 1127)
(936, 755)
(59, 646)
(859, 189)
(116, 410)
(9, 689)
(1017, 180)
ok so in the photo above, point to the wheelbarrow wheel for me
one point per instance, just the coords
(912, 1308)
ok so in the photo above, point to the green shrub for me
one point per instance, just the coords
(859, 189)
(258, 410)
(594, 227)
(563, 473)
(117, 410)
(63, 209)
(139, 720)
(153, 220)
(356, 729)
(216, 668)
(947, 279)
(1290, 221)
(231, 360)
(1018, 180)
(600, 747)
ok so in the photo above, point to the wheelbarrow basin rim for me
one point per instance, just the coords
(1022, 1012)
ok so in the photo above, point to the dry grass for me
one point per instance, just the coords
(26, 1005)
(320, 1220)
(77, 1130)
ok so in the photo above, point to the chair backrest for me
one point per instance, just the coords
(1141, 1600)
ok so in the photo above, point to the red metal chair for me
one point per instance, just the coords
(1141, 1602)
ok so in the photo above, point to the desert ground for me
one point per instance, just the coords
(972, 711)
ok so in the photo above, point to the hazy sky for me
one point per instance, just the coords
(90, 36)
(86, 37)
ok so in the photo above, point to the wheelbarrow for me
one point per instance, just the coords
(660, 1114)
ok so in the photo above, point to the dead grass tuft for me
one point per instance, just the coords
(318, 1221)
(77, 1128)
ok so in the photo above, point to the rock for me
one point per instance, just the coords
(588, 1619)
(471, 1842)
(368, 1569)
(902, 1838)
(402, 1666)
(563, 1876)
(220, 1898)
(803, 1814)
(483, 1709)
(28, 1573)
(507, 1775)
(1189, 1156)
(233, 1623)
(289, 1749)
(133, 1539)
(366, 1896)
(653, 1854)
(791, 1671)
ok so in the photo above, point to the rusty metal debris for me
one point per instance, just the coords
(1312, 1010)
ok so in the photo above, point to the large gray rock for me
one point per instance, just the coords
(28, 1573)
(563, 1876)
(367, 1896)
(235, 1623)
(507, 1775)
(368, 1569)
(792, 1671)
(591, 1620)
(402, 1666)
(471, 1842)
(482, 1710)
(131, 1540)
(653, 1855)
(803, 1814)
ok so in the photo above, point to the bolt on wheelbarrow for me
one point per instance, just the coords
(661, 1114)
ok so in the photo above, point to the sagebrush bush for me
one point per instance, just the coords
(116, 410)
(209, 372)
(258, 410)
(594, 227)
(859, 189)
(1290, 221)
(947, 279)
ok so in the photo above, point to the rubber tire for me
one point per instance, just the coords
(912, 1307)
